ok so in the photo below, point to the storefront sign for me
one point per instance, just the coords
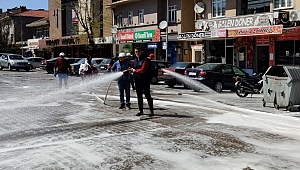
(153, 35)
(151, 45)
(265, 30)
(294, 31)
(62, 41)
(219, 33)
(287, 38)
(262, 40)
(194, 35)
(33, 42)
(234, 22)
(125, 36)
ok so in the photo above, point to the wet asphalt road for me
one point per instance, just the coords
(42, 127)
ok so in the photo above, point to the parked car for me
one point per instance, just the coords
(107, 63)
(48, 65)
(75, 66)
(217, 76)
(35, 62)
(159, 65)
(178, 67)
(14, 61)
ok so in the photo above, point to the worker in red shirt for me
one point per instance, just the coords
(142, 80)
(61, 69)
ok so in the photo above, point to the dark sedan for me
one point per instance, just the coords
(217, 76)
(48, 65)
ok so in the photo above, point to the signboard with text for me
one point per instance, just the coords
(265, 30)
(125, 36)
(194, 35)
(153, 35)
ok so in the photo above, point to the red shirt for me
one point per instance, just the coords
(62, 65)
(144, 67)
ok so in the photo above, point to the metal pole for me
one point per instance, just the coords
(167, 30)
(21, 34)
(294, 55)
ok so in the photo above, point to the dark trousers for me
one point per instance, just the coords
(124, 85)
(143, 88)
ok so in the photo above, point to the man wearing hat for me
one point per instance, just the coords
(61, 69)
(124, 81)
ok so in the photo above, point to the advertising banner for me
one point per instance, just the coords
(125, 36)
(251, 31)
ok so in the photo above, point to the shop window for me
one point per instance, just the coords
(172, 13)
(141, 16)
(287, 53)
(219, 8)
(283, 3)
(245, 7)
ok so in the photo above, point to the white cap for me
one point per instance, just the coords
(62, 54)
(121, 55)
(128, 55)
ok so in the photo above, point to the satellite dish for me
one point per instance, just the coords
(163, 24)
(199, 8)
(114, 29)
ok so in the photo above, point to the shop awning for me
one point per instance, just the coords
(31, 47)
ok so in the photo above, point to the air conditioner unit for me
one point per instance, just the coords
(294, 15)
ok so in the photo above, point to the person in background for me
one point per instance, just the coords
(151, 56)
(62, 68)
(124, 81)
(86, 68)
(128, 57)
(142, 80)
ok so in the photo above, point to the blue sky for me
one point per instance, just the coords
(30, 4)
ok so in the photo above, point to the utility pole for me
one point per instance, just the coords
(167, 30)
(21, 33)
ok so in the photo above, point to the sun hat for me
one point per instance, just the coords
(128, 55)
(121, 55)
(62, 54)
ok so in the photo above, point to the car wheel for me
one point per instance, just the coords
(218, 87)
(186, 86)
(27, 69)
(9, 67)
(171, 85)
(30, 67)
(154, 80)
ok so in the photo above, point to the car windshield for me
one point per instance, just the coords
(106, 61)
(179, 65)
(207, 66)
(16, 57)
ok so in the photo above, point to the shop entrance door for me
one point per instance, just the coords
(229, 55)
(262, 59)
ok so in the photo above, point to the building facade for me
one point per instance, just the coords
(68, 35)
(142, 23)
(252, 34)
(13, 25)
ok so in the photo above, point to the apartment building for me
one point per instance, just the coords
(252, 34)
(142, 23)
(13, 24)
(67, 34)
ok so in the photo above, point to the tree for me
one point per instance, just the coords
(89, 15)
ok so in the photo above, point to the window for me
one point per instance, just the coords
(141, 16)
(172, 13)
(245, 7)
(119, 20)
(219, 8)
(283, 3)
(130, 18)
(46, 32)
(39, 33)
